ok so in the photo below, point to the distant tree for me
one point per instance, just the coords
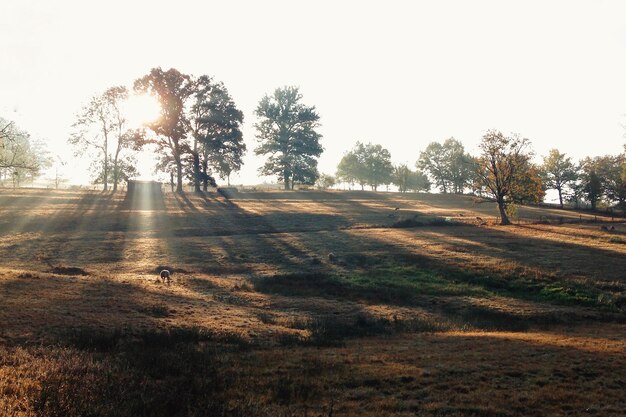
(401, 174)
(216, 131)
(286, 131)
(558, 172)
(21, 157)
(499, 165)
(172, 89)
(326, 181)
(610, 169)
(124, 170)
(590, 181)
(407, 180)
(378, 166)
(366, 164)
(351, 169)
(448, 165)
(417, 181)
(101, 126)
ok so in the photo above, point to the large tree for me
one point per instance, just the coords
(216, 130)
(558, 172)
(286, 131)
(499, 165)
(448, 164)
(173, 90)
(101, 127)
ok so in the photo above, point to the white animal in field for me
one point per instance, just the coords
(166, 276)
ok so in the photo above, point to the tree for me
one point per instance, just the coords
(609, 169)
(351, 168)
(448, 164)
(527, 186)
(172, 89)
(378, 166)
(417, 181)
(21, 157)
(591, 183)
(286, 131)
(499, 165)
(326, 181)
(407, 180)
(124, 169)
(216, 129)
(100, 125)
(558, 172)
(366, 164)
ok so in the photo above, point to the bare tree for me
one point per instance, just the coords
(99, 126)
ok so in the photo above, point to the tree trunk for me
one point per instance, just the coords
(286, 180)
(504, 219)
(560, 197)
(116, 169)
(205, 176)
(196, 172)
(179, 175)
(106, 171)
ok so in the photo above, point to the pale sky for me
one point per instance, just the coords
(399, 73)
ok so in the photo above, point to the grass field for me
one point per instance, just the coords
(307, 304)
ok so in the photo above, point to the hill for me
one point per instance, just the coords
(296, 303)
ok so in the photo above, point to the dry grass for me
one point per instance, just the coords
(432, 320)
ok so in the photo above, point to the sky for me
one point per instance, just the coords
(398, 73)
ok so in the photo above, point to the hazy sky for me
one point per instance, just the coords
(399, 73)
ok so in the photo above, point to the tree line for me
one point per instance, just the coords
(197, 135)
(503, 170)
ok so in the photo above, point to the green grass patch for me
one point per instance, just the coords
(402, 284)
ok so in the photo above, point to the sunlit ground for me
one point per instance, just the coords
(430, 320)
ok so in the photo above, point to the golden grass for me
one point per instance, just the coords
(220, 248)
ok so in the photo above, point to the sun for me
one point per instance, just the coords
(141, 109)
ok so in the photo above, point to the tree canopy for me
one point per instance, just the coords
(407, 180)
(499, 167)
(287, 134)
(558, 172)
(447, 163)
(366, 164)
(21, 157)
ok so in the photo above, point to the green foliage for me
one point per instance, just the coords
(558, 172)
(326, 181)
(407, 180)
(366, 164)
(21, 157)
(286, 131)
(592, 186)
(448, 165)
(216, 129)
